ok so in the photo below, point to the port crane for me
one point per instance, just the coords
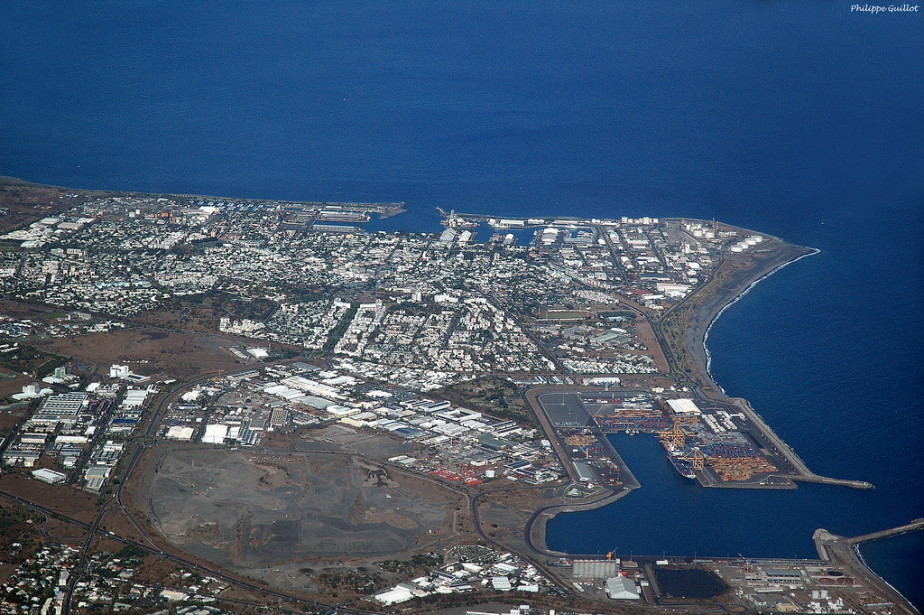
(676, 437)
(697, 458)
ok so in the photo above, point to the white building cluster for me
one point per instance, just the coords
(431, 303)
(489, 571)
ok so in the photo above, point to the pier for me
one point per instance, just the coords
(915, 525)
(843, 551)
(804, 473)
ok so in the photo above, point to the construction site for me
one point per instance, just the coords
(259, 512)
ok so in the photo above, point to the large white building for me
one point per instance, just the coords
(215, 434)
(683, 406)
(49, 476)
(59, 409)
(394, 595)
(621, 588)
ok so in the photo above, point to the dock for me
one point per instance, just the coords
(843, 551)
(804, 473)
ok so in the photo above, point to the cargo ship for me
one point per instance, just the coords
(684, 467)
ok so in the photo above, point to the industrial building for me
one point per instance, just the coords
(96, 477)
(585, 474)
(49, 476)
(215, 434)
(775, 576)
(59, 409)
(594, 568)
(621, 588)
(683, 406)
(179, 432)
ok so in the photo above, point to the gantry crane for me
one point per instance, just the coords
(675, 437)
(696, 458)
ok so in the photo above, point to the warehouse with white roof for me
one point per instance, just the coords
(621, 588)
(683, 406)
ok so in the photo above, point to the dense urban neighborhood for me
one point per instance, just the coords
(227, 405)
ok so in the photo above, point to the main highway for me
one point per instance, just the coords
(140, 445)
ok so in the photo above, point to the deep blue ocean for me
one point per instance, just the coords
(799, 119)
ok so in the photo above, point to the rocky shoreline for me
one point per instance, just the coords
(777, 255)
(737, 282)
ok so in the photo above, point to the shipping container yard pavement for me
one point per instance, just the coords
(718, 443)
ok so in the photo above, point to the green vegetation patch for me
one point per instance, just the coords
(491, 395)
(419, 562)
(31, 360)
(130, 552)
(565, 315)
(359, 580)
(416, 309)
(10, 516)
(338, 331)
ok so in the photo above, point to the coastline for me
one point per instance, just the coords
(844, 550)
(705, 315)
(535, 528)
(717, 298)
(880, 578)
(813, 252)
(699, 311)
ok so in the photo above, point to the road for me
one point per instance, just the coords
(93, 530)
(504, 547)
(550, 431)
(141, 444)
(804, 473)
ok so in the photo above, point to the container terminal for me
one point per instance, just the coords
(580, 328)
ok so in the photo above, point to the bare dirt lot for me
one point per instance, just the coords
(11, 418)
(26, 202)
(66, 500)
(647, 337)
(246, 510)
(149, 350)
(11, 382)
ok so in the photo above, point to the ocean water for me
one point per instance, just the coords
(800, 119)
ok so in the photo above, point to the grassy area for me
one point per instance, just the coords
(11, 515)
(565, 315)
(202, 312)
(624, 314)
(675, 324)
(421, 562)
(338, 331)
(52, 316)
(31, 360)
(491, 395)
